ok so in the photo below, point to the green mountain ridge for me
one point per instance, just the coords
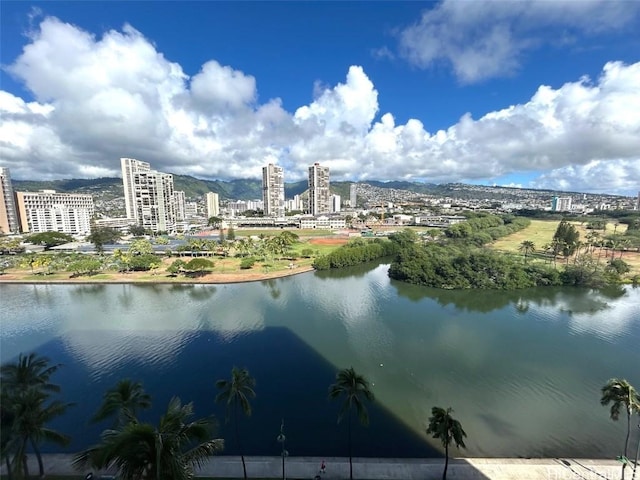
(251, 189)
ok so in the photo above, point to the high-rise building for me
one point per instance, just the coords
(561, 204)
(149, 196)
(273, 190)
(213, 205)
(335, 203)
(48, 211)
(130, 167)
(8, 215)
(319, 193)
(181, 205)
(353, 195)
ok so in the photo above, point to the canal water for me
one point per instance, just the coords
(522, 370)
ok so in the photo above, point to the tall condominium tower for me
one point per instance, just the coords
(149, 196)
(213, 205)
(181, 205)
(273, 190)
(130, 167)
(319, 195)
(8, 215)
(48, 211)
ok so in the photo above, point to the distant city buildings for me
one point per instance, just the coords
(295, 204)
(273, 190)
(48, 211)
(149, 196)
(213, 204)
(319, 193)
(8, 214)
(561, 204)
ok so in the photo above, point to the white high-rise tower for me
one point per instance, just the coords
(8, 214)
(319, 193)
(273, 190)
(213, 204)
(149, 196)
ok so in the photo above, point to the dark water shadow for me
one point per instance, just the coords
(292, 384)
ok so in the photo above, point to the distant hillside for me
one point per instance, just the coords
(250, 189)
(105, 187)
(111, 187)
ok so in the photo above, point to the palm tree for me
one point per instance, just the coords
(25, 388)
(124, 400)
(446, 428)
(30, 371)
(7, 418)
(171, 450)
(236, 393)
(618, 392)
(527, 247)
(29, 427)
(354, 388)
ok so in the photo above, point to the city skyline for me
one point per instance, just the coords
(526, 94)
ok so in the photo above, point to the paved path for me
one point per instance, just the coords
(387, 468)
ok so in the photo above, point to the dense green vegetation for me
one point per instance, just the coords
(455, 267)
(49, 239)
(355, 252)
(460, 261)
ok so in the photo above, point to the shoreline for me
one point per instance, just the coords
(124, 278)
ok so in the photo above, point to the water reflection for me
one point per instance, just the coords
(573, 301)
(520, 377)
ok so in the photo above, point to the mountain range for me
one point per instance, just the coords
(250, 189)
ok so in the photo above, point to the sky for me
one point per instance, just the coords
(532, 94)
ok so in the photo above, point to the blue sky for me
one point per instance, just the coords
(536, 94)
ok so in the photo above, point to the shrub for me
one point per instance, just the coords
(247, 263)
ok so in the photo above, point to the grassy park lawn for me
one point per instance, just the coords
(540, 232)
(225, 270)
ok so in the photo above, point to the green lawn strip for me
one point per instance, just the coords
(541, 232)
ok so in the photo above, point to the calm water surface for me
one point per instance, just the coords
(522, 370)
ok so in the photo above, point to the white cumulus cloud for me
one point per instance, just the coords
(98, 99)
(487, 38)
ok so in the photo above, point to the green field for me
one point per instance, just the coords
(541, 232)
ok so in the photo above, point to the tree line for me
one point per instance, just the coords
(355, 252)
(458, 260)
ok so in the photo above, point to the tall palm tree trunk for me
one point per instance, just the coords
(635, 465)
(350, 456)
(446, 461)
(244, 466)
(36, 450)
(9, 473)
(626, 440)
